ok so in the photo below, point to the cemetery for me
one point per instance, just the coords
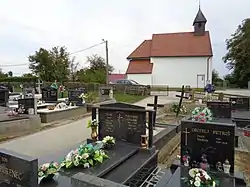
(124, 144)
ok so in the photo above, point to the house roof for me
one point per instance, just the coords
(184, 44)
(116, 76)
(142, 51)
(140, 67)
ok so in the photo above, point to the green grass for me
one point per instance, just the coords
(121, 97)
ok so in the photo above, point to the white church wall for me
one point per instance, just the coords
(144, 79)
(178, 71)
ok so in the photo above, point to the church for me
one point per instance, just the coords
(174, 59)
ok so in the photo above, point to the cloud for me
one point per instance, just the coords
(28, 25)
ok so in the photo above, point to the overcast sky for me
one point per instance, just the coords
(27, 25)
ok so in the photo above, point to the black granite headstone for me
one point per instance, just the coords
(220, 109)
(27, 103)
(49, 95)
(4, 96)
(215, 140)
(125, 125)
(74, 96)
(17, 170)
(240, 103)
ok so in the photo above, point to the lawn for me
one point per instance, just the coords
(121, 97)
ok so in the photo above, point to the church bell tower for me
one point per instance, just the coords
(199, 23)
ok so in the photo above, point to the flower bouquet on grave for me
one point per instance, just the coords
(202, 114)
(175, 106)
(48, 171)
(199, 178)
(108, 142)
(83, 96)
(85, 156)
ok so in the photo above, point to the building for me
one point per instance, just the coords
(174, 59)
(116, 76)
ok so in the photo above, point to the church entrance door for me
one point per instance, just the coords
(200, 80)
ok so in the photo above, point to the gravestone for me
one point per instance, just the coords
(29, 105)
(49, 95)
(240, 103)
(124, 122)
(104, 93)
(215, 140)
(74, 96)
(4, 96)
(17, 170)
(220, 109)
(29, 92)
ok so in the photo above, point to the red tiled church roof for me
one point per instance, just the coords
(140, 67)
(116, 76)
(184, 44)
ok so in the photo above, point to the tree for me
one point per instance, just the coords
(216, 80)
(237, 58)
(51, 65)
(26, 75)
(96, 72)
(2, 74)
(10, 74)
(73, 66)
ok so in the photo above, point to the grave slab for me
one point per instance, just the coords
(48, 116)
(220, 109)
(240, 103)
(17, 170)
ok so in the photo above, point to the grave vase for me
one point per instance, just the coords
(226, 167)
(94, 133)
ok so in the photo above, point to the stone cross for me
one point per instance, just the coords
(39, 83)
(186, 136)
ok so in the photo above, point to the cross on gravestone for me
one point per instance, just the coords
(119, 117)
(155, 105)
(181, 98)
(39, 84)
(186, 136)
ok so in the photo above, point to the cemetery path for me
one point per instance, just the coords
(62, 137)
(51, 140)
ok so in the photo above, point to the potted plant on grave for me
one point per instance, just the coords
(84, 156)
(108, 142)
(48, 171)
(202, 114)
(93, 124)
(199, 178)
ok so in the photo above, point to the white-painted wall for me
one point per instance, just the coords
(178, 71)
(144, 79)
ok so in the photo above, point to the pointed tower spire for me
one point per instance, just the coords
(199, 22)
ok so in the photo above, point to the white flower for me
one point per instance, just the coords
(85, 155)
(207, 177)
(86, 165)
(76, 162)
(192, 172)
(197, 179)
(198, 175)
(191, 182)
(197, 183)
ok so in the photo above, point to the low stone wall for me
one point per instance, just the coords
(11, 127)
(47, 117)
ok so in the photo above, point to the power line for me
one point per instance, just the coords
(81, 50)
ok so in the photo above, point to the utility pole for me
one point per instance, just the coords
(107, 62)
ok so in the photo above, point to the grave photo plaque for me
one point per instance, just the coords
(240, 103)
(17, 170)
(214, 140)
(220, 109)
(125, 125)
